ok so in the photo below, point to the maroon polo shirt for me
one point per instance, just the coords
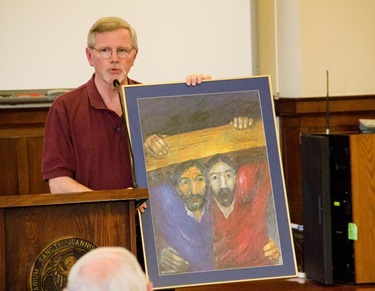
(81, 141)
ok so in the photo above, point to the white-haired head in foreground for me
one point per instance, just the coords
(107, 268)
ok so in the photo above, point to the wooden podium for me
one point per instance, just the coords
(42, 235)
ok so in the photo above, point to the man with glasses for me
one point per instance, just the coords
(86, 142)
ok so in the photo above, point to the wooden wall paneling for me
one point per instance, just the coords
(26, 117)
(2, 251)
(8, 167)
(22, 165)
(21, 143)
(34, 155)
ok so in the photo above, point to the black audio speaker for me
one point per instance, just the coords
(338, 194)
(316, 201)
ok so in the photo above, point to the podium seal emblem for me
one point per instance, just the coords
(51, 268)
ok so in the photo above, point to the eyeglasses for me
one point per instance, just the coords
(106, 53)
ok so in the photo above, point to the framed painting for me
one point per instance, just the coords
(209, 156)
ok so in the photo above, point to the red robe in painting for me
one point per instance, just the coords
(239, 240)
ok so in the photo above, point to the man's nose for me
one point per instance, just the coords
(194, 188)
(223, 181)
(114, 57)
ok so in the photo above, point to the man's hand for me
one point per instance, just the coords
(66, 184)
(142, 207)
(272, 252)
(195, 79)
(243, 122)
(155, 146)
(172, 262)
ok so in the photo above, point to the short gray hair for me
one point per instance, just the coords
(109, 269)
(107, 24)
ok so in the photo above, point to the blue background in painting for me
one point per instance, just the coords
(260, 84)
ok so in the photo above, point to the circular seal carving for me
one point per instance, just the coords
(51, 268)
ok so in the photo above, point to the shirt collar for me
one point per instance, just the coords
(95, 98)
(191, 214)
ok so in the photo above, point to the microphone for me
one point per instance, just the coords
(119, 129)
(116, 83)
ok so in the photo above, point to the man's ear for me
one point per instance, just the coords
(89, 56)
(134, 57)
(136, 54)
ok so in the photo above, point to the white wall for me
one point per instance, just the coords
(288, 49)
(319, 36)
(340, 40)
(43, 41)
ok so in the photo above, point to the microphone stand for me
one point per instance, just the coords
(116, 84)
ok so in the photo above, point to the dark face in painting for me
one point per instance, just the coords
(222, 179)
(192, 188)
